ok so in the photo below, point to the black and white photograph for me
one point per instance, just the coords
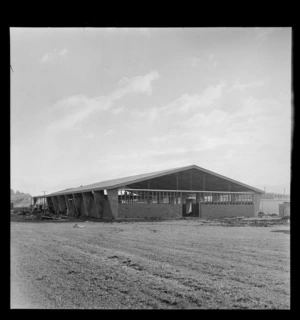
(150, 168)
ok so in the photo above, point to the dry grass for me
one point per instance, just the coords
(168, 264)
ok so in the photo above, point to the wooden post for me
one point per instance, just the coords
(203, 182)
(177, 180)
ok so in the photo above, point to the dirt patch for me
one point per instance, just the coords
(243, 221)
(185, 264)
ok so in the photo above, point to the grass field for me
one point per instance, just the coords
(186, 264)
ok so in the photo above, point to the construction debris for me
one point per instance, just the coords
(37, 212)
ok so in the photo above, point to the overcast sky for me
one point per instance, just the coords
(89, 105)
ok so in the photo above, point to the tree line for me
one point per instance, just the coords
(18, 193)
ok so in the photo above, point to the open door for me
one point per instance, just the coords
(190, 208)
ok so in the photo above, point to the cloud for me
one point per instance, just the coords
(207, 60)
(258, 123)
(188, 102)
(141, 84)
(81, 101)
(194, 62)
(192, 139)
(242, 86)
(118, 110)
(204, 121)
(149, 114)
(54, 55)
(76, 109)
(108, 132)
(89, 136)
(143, 154)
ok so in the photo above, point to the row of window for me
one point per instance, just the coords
(228, 198)
(281, 196)
(137, 196)
(141, 196)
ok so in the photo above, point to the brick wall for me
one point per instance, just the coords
(149, 210)
(107, 214)
(112, 196)
(94, 210)
(225, 210)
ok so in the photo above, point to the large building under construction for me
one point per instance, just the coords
(174, 193)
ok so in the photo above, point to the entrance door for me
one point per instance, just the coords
(190, 208)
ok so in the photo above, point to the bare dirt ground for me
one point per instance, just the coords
(186, 264)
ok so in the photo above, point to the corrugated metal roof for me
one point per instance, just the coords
(110, 184)
(116, 183)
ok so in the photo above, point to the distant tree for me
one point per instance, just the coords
(12, 191)
(18, 192)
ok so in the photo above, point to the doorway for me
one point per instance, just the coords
(190, 208)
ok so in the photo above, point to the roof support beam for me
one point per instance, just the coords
(112, 195)
(77, 199)
(87, 203)
(67, 204)
(99, 202)
(186, 191)
(62, 204)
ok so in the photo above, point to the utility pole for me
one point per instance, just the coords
(44, 199)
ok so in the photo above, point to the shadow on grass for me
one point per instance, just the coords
(283, 231)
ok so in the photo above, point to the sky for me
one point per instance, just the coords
(93, 104)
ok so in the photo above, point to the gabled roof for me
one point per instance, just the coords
(122, 182)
